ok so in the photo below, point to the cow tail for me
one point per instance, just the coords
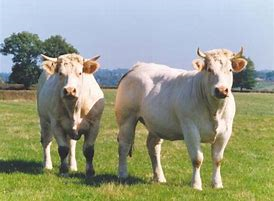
(130, 151)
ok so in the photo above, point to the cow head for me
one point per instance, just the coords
(70, 69)
(218, 67)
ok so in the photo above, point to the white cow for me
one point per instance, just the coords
(194, 106)
(70, 103)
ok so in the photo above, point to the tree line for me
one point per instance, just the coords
(26, 48)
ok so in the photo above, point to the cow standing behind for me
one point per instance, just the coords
(70, 103)
(194, 106)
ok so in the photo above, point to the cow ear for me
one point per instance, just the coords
(49, 64)
(198, 64)
(49, 67)
(90, 66)
(238, 64)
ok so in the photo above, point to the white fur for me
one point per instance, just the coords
(176, 105)
(59, 116)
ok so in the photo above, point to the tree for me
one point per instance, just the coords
(269, 76)
(246, 78)
(26, 74)
(25, 48)
(56, 46)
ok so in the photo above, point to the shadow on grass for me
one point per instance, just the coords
(28, 167)
(101, 179)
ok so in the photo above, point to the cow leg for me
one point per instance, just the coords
(217, 152)
(46, 138)
(63, 150)
(154, 150)
(88, 149)
(125, 140)
(72, 158)
(192, 140)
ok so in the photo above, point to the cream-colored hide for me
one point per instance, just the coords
(194, 106)
(70, 104)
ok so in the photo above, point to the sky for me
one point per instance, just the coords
(124, 32)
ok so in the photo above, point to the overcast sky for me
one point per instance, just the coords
(161, 31)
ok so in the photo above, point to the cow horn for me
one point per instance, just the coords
(95, 58)
(239, 54)
(200, 53)
(48, 58)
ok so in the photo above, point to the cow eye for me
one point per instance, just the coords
(230, 70)
(60, 73)
(209, 70)
(80, 73)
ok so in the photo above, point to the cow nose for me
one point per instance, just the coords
(221, 92)
(69, 91)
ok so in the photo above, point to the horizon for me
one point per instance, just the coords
(155, 31)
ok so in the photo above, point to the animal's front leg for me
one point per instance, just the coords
(46, 138)
(72, 157)
(217, 151)
(63, 150)
(88, 149)
(192, 140)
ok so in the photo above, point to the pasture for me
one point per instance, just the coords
(247, 169)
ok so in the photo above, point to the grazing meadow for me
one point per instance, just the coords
(247, 168)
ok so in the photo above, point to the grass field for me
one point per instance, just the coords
(248, 167)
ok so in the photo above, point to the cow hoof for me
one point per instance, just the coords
(65, 175)
(159, 180)
(90, 173)
(217, 186)
(63, 169)
(197, 187)
(73, 169)
(48, 167)
(122, 175)
(122, 180)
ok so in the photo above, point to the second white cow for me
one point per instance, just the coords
(194, 106)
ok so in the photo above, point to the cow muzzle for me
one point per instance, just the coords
(70, 92)
(221, 92)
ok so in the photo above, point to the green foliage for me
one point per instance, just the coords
(246, 78)
(270, 75)
(247, 168)
(26, 49)
(56, 46)
(24, 46)
(110, 78)
(26, 74)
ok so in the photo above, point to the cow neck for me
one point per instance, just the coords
(215, 106)
(73, 108)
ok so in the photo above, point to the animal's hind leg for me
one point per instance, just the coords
(46, 138)
(125, 140)
(154, 150)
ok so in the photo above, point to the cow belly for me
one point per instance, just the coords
(208, 137)
(163, 129)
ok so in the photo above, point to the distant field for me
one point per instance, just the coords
(248, 167)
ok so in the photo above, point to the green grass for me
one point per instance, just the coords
(248, 167)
